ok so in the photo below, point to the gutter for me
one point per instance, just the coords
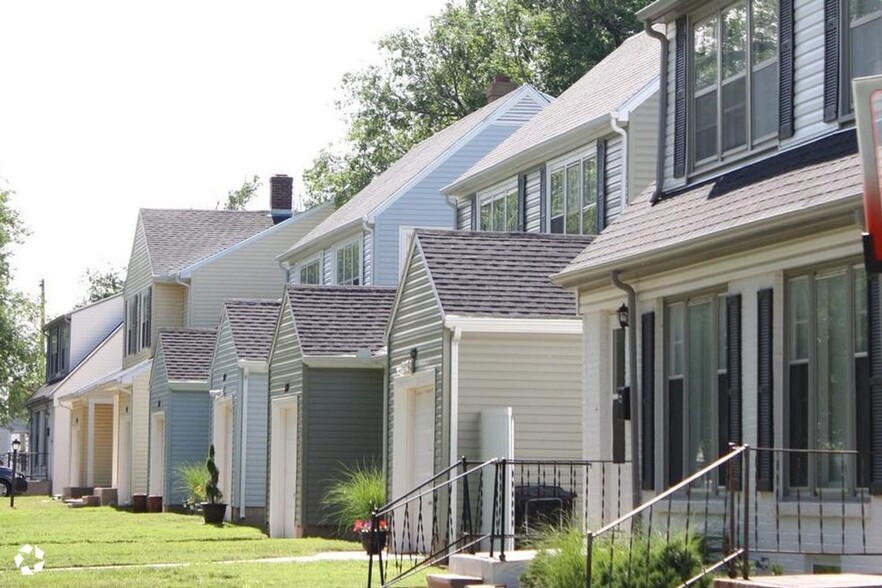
(186, 285)
(454, 393)
(636, 484)
(662, 110)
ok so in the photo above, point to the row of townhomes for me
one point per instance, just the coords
(642, 304)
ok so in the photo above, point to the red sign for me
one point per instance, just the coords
(868, 113)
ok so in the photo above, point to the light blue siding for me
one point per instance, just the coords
(187, 438)
(464, 213)
(613, 177)
(424, 205)
(256, 441)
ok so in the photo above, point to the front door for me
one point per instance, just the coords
(290, 474)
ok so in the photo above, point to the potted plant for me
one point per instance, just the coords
(351, 501)
(213, 509)
(192, 480)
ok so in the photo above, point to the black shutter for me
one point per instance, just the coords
(874, 306)
(831, 60)
(601, 185)
(543, 204)
(680, 100)
(522, 203)
(474, 199)
(733, 373)
(785, 69)
(765, 405)
(619, 416)
(647, 392)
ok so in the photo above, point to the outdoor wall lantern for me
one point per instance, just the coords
(622, 313)
(413, 360)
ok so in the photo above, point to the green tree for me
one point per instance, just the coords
(237, 199)
(427, 80)
(101, 284)
(21, 355)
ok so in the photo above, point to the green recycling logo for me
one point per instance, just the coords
(34, 554)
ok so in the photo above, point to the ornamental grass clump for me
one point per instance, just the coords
(192, 479)
(355, 495)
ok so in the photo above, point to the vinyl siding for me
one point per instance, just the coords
(539, 376)
(344, 428)
(520, 112)
(327, 267)
(187, 438)
(81, 419)
(159, 402)
(91, 325)
(424, 206)
(613, 177)
(140, 431)
(464, 214)
(225, 364)
(417, 323)
(138, 276)
(642, 146)
(102, 455)
(534, 203)
(256, 472)
(249, 271)
(367, 258)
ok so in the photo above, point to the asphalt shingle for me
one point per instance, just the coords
(341, 320)
(500, 274)
(187, 353)
(252, 323)
(820, 172)
(176, 239)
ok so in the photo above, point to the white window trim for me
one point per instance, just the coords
(588, 151)
(495, 192)
(355, 241)
(317, 257)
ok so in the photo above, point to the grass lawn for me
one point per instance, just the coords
(104, 536)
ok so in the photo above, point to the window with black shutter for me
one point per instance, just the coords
(765, 391)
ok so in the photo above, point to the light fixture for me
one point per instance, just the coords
(413, 360)
(216, 393)
(16, 445)
(622, 313)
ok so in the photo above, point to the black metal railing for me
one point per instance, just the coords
(495, 505)
(34, 466)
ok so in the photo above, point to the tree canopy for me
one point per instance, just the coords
(427, 80)
(239, 198)
(21, 355)
(101, 284)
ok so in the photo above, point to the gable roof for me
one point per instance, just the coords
(252, 323)
(500, 274)
(813, 179)
(386, 185)
(610, 84)
(340, 320)
(176, 239)
(187, 353)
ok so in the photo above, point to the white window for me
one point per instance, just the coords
(499, 208)
(310, 272)
(862, 42)
(572, 194)
(734, 72)
(348, 259)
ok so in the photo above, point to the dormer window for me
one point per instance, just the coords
(348, 258)
(573, 189)
(734, 79)
(499, 208)
(57, 351)
(310, 272)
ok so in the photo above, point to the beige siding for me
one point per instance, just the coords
(102, 465)
(250, 271)
(138, 277)
(140, 426)
(642, 146)
(539, 376)
(417, 324)
(81, 416)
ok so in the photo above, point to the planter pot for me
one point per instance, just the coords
(154, 503)
(374, 543)
(214, 512)
(139, 503)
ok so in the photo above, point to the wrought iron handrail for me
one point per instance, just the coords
(32, 464)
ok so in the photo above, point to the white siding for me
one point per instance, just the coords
(613, 177)
(327, 267)
(534, 203)
(464, 214)
(225, 376)
(367, 258)
(539, 376)
(90, 325)
(642, 146)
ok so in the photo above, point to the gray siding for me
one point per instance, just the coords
(464, 214)
(367, 257)
(344, 428)
(669, 181)
(225, 364)
(808, 56)
(256, 472)
(642, 146)
(286, 362)
(613, 177)
(417, 323)
(424, 205)
(534, 195)
(187, 438)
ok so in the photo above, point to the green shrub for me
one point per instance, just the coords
(212, 492)
(560, 561)
(192, 478)
(355, 495)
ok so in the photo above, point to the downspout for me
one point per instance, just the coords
(662, 109)
(189, 302)
(636, 485)
(615, 121)
(243, 448)
(454, 394)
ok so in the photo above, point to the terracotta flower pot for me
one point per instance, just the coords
(214, 512)
(374, 543)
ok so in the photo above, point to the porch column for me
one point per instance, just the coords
(90, 444)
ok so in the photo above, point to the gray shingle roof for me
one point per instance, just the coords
(252, 323)
(402, 171)
(500, 274)
(187, 353)
(341, 320)
(818, 173)
(609, 84)
(176, 239)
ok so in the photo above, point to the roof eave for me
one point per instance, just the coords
(656, 10)
(301, 248)
(189, 385)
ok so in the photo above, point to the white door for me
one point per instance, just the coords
(421, 467)
(290, 465)
(124, 486)
(226, 473)
(157, 455)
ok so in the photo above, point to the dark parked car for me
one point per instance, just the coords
(6, 483)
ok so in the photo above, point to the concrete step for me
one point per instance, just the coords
(450, 581)
(38, 488)
(492, 571)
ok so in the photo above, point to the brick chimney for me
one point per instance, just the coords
(499, 87)
(281, 197)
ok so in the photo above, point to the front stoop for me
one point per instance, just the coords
(491, 570)
(107, 496)
(38, 488)
(804, 581)
(450, 581)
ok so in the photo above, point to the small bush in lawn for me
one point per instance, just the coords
(355, 495)
(192, 478)
(561, 562)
